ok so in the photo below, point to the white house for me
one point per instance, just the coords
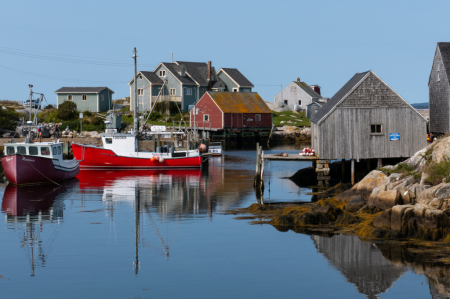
(298, 93)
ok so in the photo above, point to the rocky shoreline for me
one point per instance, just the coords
(408, 202)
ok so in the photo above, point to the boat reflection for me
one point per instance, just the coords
(29, 208)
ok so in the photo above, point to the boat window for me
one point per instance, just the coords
(45, 151)
(33, 150)
(55, 151)
(22, 150)
(108, 140)
(59, 150)
(10, 150)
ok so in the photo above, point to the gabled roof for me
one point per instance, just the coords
(197, 70)
(239, 102)
(311, 92)
(218, 83)
(237, 77)
(317, 103)
(174, 69)
(346, 90)
(82, 90)
(444, 48)
(150, 76)
(352, 83)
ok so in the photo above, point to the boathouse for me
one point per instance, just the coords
(367, 119)
(231, 110)
(93, 99)
(439, 90)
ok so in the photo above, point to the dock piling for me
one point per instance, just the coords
(353, 171)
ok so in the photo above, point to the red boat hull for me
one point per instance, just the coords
(23, 169)
(97, 157)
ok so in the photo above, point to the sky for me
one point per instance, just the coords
(54, 44)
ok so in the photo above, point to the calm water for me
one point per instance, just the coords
(163, 234)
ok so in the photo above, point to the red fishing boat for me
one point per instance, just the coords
(119, 151)
(39, 162)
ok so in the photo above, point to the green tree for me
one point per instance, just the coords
(67, 110)
(8, 118)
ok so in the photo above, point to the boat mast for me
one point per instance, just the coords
(31, 98)
(136, 106)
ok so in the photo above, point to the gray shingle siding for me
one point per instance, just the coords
(439, 95)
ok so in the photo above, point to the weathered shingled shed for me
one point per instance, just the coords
(439, 90)
(367, 119)
(231, 110)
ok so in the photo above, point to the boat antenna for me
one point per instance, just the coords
(136, 106)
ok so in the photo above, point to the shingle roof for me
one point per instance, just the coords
(197, 70)
(237, 77)
(218, 83)
(239, 102)
(311, 92)
(444, 48)
(174, 69)
(152, 77)
(82, 89)
(337, 97)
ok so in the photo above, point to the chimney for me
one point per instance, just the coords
(209, 75)
(298, 79)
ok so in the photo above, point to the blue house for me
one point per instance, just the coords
(148, 87)
(94, 99)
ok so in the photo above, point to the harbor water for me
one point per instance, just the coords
(167, 234)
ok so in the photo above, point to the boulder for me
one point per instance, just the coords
(384, 200)
(408, 213)
(436, 219)
(364, 187)
(356, 203)
(397, 216)
(383, 220)
(417, 160)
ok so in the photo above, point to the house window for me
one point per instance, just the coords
(205, 117)
(140, 92)
(84, 97)
(375, 129)
(140, 77)
(69, 97)
(235, 90)
(285, 102)
(438, 71)
(257, 117)
(188, 91)
(220, 89)
(292, 89)
(299, 102)
(162, 73)
(102, 97)
(173, 92)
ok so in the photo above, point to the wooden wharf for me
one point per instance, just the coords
(290, 157)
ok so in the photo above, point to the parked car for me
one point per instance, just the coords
(34, 104)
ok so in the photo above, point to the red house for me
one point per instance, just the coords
(230, 110)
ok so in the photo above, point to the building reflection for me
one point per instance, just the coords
(29, 209)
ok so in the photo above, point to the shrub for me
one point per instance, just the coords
(437, 172)
(402, 168)
(162, 107)
(8, 118)
(155, 116)
(49, 106)
(87, 113)
(67, 110)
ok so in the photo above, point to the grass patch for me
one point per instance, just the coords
(437, 172)
(403, 168)
(290, 118)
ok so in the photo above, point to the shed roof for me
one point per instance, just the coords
(82, 90)
(311, 92)
(239, 102)
(444, 48)
(237, 77)
(353, 82)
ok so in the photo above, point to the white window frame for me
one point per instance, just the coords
(70, 97)
(188, 91)
(84, 97)
(299, 102)
(235, 89)
(140, 92)
(162, 73)
(257, 117)
(173, 92)
(205, 116)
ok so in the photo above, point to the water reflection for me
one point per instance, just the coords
(28, 209)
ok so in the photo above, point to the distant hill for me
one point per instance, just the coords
(421, 105)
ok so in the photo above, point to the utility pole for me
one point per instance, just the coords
(136, 105)
(31, 98)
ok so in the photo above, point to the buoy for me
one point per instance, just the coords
(152, 159)
(161, 160)
(156, 157)
(202, 147)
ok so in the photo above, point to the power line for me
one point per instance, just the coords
(69, 59)
(56, 78)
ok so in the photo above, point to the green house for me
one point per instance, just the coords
(94, 99)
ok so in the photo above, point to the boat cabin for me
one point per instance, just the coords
(42, 149)
(120, 143)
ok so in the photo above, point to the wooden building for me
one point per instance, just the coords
(93, 99)
(439, 90)
(231, 110)
(298, 94)
(367, 119)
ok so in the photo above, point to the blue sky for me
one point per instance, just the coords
(51, 44)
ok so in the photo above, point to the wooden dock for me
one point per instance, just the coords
(290, 157)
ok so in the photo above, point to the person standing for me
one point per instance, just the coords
(56, 131)
(39, 132)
